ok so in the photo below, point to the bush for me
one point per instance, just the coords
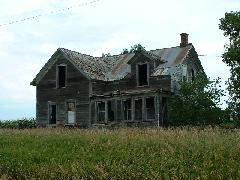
(18, 124)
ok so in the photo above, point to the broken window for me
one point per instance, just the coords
(184, 72)
(127, 108)
(142, 74)
(61, 76)
(101, 111)
(71, 112)
(150, 108)
(138, 109)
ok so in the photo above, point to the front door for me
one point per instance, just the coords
(52, 113)
(71, 112)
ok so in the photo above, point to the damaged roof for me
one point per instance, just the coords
(116, 67)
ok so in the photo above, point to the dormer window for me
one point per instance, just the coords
(142, 74)
(61, 76)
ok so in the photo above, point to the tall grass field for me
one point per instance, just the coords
(181, 153)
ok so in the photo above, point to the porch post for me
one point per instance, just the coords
(115, 110)
(157, 109)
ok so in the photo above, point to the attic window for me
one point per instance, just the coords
(142, 75)
(61, 76)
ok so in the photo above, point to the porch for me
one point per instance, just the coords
(136, 109)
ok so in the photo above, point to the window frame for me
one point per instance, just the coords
(141, 109)
(137, 73)
(66, 109)
(102, 111)
(50, 104)
(57, 76)
(131, 108)
(154, 108)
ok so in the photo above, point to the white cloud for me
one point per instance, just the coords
(106, 26)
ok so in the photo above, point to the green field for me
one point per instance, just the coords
(120, 154)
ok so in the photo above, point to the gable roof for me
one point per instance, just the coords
(115, 67)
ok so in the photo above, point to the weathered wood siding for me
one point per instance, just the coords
(193, 63)
(77, 89)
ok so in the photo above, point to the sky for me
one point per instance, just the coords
(102, 26)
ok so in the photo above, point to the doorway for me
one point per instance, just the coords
(52, 113)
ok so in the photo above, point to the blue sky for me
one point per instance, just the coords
(103, 27)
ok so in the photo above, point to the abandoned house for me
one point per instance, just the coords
(133, 88)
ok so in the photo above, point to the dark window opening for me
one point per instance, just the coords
(110, 110)
(138, 109)
(101, 111)
(52, 113)
(192, 74)
(150, 108)
(61, 76)
(127, 108)
(142, 75)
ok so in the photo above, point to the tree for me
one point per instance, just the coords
(125, 51)
(197, 102)
(133, 49)
(230, 25)
(106, 55)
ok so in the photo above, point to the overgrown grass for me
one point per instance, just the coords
(120, 154)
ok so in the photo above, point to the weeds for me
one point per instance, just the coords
(120, 154)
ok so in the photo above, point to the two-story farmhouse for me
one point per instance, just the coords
(134, 88)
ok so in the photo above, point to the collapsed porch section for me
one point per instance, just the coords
(130, 107)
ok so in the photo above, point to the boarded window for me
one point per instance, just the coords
(127, 108)
(101, 111)
(71, 112)
(150, 108)
(61, 77)
(142, 74)
(138, 109)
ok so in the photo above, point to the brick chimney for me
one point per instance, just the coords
(184, 40)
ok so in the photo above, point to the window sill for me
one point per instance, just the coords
(143, 86)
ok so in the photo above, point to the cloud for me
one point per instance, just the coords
(106, 26)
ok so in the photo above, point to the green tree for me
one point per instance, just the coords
(197, 102)
(133, 49)
(125, 51)
(136, 47)
(230, 25)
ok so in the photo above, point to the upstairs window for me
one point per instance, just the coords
(61, 76)
(142, 70)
